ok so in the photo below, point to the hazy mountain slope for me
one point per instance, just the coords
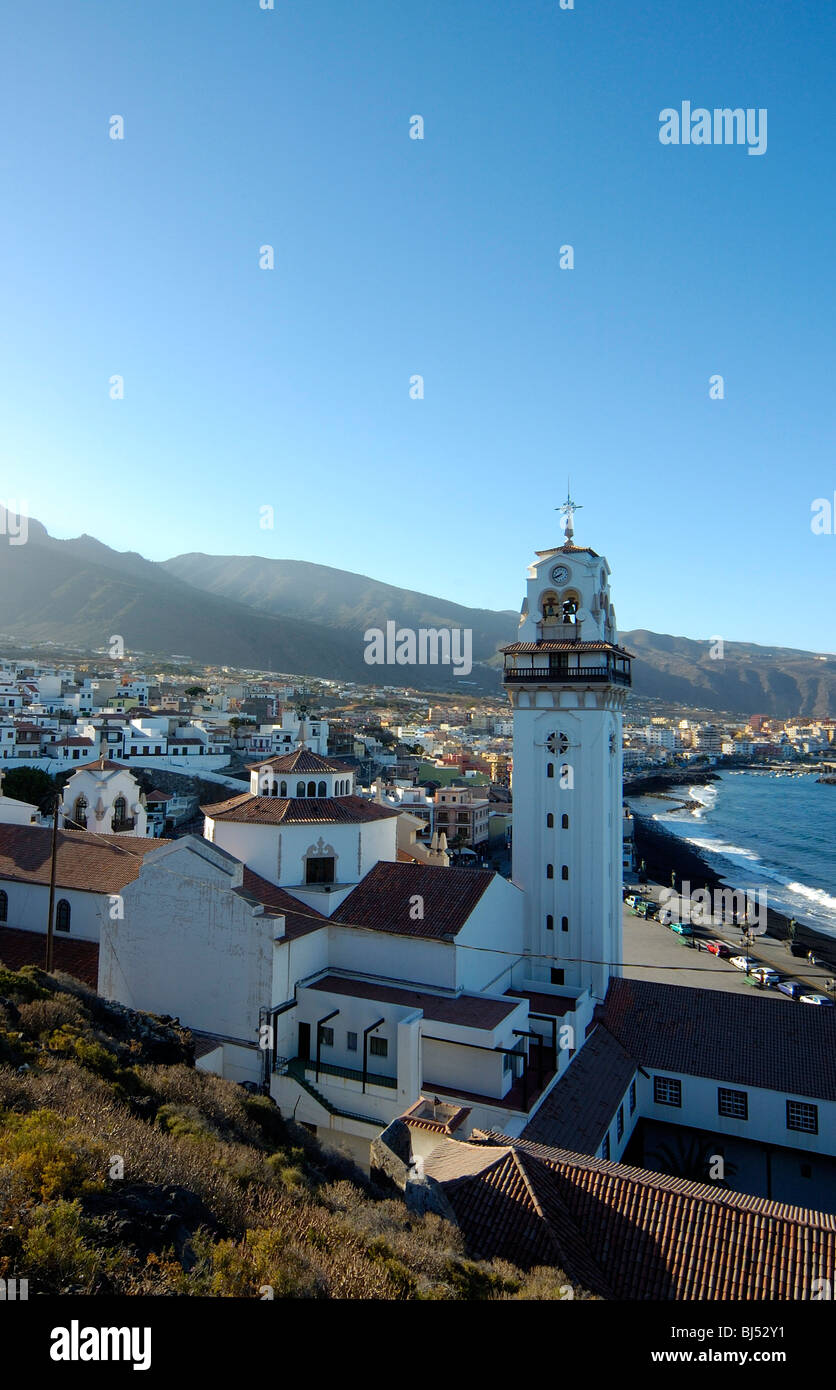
(751, 679)
(81, 592)
(336, 597)
(287, 615)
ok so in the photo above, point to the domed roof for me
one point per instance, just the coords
(301, 760)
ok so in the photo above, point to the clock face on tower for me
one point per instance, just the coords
(557, 743)
(560, 574)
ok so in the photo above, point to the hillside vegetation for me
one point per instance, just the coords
(123, 1170)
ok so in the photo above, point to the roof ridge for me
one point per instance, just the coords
(647, 1177)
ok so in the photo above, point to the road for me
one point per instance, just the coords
(654, 952)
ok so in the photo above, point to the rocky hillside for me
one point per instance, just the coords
(123, 1170)
(747, 679)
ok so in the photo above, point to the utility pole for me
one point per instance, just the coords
(50, 930)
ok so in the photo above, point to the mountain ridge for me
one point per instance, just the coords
(299, 616)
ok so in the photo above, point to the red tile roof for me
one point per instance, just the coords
(742, 1040)
(533, 648)
(299, 918)
(88, 862)
(467, 1010)
(77, 958)
(385, 900)
(301, 760)
(101, 765)
(297, 810)
(578, 1111)
(625, 1232)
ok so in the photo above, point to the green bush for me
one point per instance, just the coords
(22, 985)
(54, 1250)
(44, 1157)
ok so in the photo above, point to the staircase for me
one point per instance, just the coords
(295, 1067)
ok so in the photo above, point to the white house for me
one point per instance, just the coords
(104, 796)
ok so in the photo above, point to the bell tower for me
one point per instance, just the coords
(567, 679)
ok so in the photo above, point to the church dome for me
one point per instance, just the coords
(301, 773)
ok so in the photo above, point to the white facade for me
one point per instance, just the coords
(105, 799)
(567, 678)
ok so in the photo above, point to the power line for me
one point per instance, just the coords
(112, 842)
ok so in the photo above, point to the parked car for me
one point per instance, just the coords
(643, 907)
(681, 928)
(765, 975)
(791, 987)
(719, 948)
(743, 962)
(815, 999)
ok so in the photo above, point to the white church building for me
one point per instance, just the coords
(324, 961)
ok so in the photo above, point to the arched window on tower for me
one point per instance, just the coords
(120, 812)
(4, 907)
(549, 923)
(550, 606)
(550, 871)
(322, 790)
(569, 608)
(550, 821)
(564, 872)
(80, 812)
(564, 821)
(312, 789)
(283, 789)
(550, 769)
(564, 924)
(62, 916)
(300, 788)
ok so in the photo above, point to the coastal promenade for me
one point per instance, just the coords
(654, 952)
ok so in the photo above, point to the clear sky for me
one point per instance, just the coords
(246, 388)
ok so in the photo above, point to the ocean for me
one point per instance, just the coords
(761, 832)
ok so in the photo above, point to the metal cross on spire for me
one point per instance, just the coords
(568, 510)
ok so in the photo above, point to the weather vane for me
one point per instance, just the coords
(568, 510)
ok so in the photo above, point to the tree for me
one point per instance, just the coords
(194, 690)
(32, 785)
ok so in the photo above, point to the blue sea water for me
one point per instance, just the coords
(759, 831)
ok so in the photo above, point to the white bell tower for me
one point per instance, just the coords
(567, 680)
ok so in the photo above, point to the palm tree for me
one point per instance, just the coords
(691, 1156)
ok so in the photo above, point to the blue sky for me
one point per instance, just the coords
(246, 388)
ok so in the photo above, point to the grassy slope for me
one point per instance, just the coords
(218, 1195)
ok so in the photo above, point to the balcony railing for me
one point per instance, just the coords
(300, 1067)
(610, 674)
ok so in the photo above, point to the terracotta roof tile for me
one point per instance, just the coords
(578, 1110)
(88, 862)
(742, 1040)
(101, 765)
(77, 958)
(533, 648)
(467, 1010)
(384, 901)
(625, 1232)
(297, 810)
(299, 918)
(301, 760)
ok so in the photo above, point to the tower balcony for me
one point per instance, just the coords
(567, 663)
(563, 675)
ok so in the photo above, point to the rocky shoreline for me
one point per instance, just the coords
(665, 853)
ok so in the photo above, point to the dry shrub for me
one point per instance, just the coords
(46, 1015)
(220, 1102)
